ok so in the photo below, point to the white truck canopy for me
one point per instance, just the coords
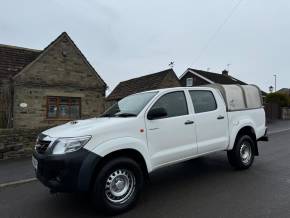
(240, 97)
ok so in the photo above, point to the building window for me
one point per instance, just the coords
(189, 81)
(63, 107)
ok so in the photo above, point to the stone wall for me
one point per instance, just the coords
(16, 143)
(285, 113)
(34, 115)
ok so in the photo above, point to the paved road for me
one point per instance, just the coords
(205, 187)
(16, 169)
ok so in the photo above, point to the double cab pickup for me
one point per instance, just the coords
(111, 156)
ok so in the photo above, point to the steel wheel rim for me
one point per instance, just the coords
(120, 185)
(245, 152)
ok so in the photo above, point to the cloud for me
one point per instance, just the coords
(128, 38)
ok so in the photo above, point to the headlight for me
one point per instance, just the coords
(66, 145)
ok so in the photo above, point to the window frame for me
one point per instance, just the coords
(58, 105)
(216, 104)
(187, 79)
(159, 97)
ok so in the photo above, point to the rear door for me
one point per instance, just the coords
(171, 138)
(211, 120)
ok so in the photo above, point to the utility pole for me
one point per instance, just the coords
(275, 76)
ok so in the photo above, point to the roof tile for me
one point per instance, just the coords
(140, 84)
(13, 59)
(219, 78)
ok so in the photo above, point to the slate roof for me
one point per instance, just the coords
(219, 78)
(140, 84)
(13, 59)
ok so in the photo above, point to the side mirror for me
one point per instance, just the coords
(156, 113)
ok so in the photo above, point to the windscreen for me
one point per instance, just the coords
(130, 106)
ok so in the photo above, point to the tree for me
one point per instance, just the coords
(283, 100)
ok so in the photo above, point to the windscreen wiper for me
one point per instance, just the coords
(126, 115)
(108, 115)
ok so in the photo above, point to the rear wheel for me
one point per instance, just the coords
(242, 155)
(118, 185)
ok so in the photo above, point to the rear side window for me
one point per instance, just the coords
(203, 101)
(174, 103)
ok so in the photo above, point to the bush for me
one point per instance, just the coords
(283, 100)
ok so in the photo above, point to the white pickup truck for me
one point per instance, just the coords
(110, 156)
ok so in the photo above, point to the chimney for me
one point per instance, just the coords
(225, 73)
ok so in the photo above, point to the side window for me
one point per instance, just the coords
(203, 101)
(174, 103)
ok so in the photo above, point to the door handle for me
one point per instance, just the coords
(189, 122)
(220, 117)
(154, 128)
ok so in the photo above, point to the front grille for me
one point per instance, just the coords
(41, 145)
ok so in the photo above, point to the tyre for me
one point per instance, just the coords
(242, 155)
(118, 186)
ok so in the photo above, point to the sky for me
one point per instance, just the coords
(131, 38)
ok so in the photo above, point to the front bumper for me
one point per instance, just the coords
(71, 172)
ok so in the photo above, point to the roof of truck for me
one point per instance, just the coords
(179, 88)
(236, 97)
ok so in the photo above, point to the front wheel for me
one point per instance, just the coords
(242, 155)
(118, 185)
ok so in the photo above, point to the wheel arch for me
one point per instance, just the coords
(127, 152)
(250, 131)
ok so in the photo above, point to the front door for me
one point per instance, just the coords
(171, 138)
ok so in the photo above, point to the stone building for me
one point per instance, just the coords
(41, 88)
(163, 79)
